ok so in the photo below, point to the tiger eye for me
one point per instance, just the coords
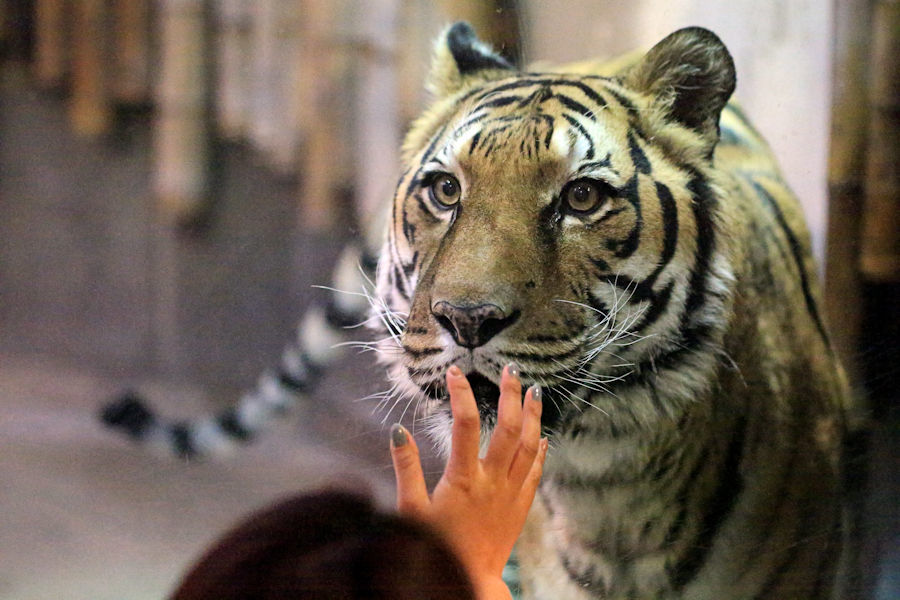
(582, 196)
(445, 190)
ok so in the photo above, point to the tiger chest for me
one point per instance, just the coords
(606, 534)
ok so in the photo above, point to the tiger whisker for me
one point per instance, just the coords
(572, 397)
(382, 404)
(597, 387)
(581, 375)
(392, 321)
(363, 346)
(397, 399)
(382, 396)
(406, 408)
(592, 405)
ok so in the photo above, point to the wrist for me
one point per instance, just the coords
(491, 587)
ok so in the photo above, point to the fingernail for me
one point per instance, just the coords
(545, 444)
(536, 393)
(454, 371)
(513, 369)
(398, 435)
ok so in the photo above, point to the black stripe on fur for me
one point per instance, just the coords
(658, 304)
(576, 106)
(640, 160)
(129, 413)
(574, 123)
(670, 229)
(628, 246)
(589, 580)
(730, 487)
(703, 206)
(797, 252)
(369, 262)
(229, 423)
(182, 444)
(294, 384)
(341, 319)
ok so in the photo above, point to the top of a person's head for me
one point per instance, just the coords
(333, 545)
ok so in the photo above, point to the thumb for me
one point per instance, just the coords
(412, 495)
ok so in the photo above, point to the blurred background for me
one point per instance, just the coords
(176, 175)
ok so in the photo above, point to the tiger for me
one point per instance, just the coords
(622, 233)
(627, 240)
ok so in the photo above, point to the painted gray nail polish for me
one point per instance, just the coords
(536, 393)
(513, 369)
(398, 435)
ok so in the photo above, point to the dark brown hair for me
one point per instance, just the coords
(331, 545)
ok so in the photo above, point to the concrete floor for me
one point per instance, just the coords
(87, 516)
(94, 297)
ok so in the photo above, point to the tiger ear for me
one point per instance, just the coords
(460, 57)
(691, 75)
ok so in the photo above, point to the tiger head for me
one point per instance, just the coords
(562, 221)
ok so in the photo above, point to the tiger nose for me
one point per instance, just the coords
(472, 325)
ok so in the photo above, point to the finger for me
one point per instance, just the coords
(506, 434)
(412, 495)
(466, 433)
(529, 440)
(529, 487)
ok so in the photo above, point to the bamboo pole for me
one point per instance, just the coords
(414, 52)
(131, 27)
(89, 109)
(377, 132)
(880, 253)
(294, 74)
(286, 144)
(276, 38)
(324, 161)
(50, 52)
(843, 293)
(264, 68)
(182, 147)
(15, 41)
(233, 26)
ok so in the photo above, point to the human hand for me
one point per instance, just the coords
(479, 504)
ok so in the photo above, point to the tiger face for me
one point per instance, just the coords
(557, 221)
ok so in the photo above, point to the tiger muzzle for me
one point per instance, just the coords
(472, 325)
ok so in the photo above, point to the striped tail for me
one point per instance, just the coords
(302, 362)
